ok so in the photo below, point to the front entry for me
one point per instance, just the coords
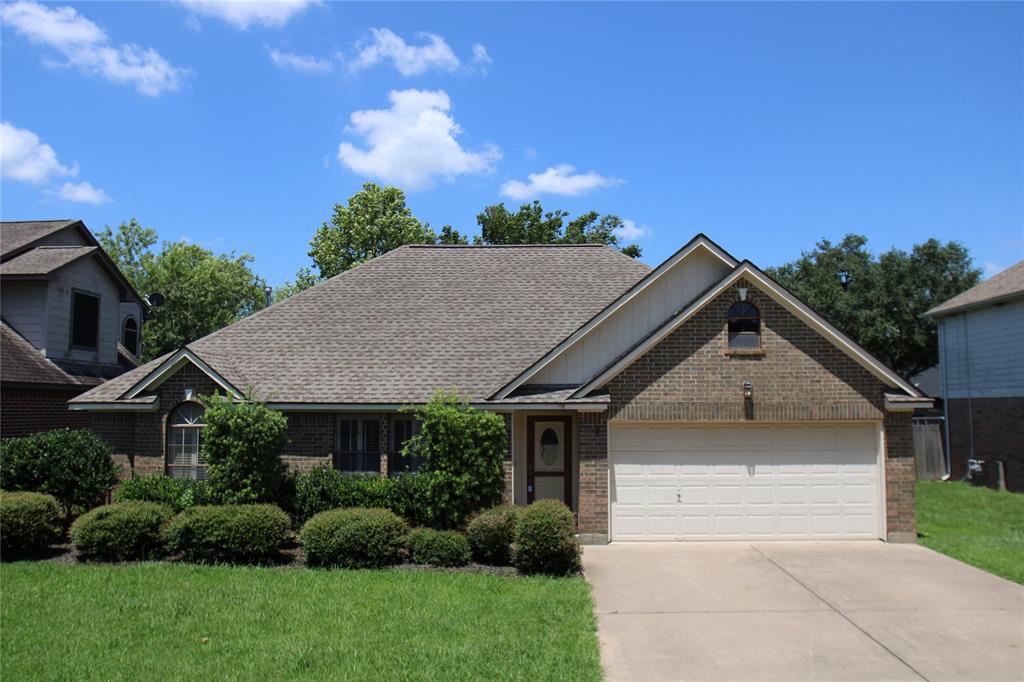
(549, 459)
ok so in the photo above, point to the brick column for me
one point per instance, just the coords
(900, 475)
(507, 495)
(592, 519)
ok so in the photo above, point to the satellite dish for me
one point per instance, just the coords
(155, 299)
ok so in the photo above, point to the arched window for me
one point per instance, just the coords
(130, 335)
(184, 433)
(744, 326)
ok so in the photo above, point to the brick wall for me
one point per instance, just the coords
(592, 450)
(997, 427)
(24, 411)
(900, 474)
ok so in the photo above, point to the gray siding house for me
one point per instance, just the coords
(70, 321)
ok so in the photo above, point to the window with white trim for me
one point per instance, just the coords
(130, 335)
(358, 447)
(402, 429)
(184, 434)
(744, 321)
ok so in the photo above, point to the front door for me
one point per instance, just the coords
(549, 459)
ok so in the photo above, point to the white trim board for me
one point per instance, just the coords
(173, 364)
(700, 241)
(780, 296)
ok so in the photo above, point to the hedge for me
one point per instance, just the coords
(124, 531)
(546, 540)
(354, 538)
(491, 534)
(28, 522)
(231, 533)
(411, 496)
(176, 493)
(438, 547)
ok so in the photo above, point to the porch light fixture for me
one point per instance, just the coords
(748, 390)
(189, 393)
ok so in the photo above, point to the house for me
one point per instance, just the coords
(70, 321)
(982, 376)
(695, 400)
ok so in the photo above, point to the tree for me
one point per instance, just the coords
(532, 225)
(882, 307)
(203, 292)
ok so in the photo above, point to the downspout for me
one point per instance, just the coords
(944, 391)
(970, 403)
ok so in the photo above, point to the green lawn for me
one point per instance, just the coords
(175, 621)
(978, 526)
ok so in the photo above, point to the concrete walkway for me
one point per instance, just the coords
(801, 611)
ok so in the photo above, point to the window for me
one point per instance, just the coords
(358, 444)
(85, 320)
(130, 335)
(184, 433)
(402, 429)
(744, 327)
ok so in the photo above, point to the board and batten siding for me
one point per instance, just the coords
(980, 352)
(24, 308)
(88, 276)
(635, 320)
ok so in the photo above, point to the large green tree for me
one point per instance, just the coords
(531, 224)
(203, 291)
(882, 305)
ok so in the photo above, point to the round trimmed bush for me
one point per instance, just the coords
(438, 547)
(491, 534)
(354, 538)
(230, 533)
(28, 522)
(546, 540)
(123, 531)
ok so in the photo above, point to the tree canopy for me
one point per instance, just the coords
(203, 292)
(531, 224)
(883, 305)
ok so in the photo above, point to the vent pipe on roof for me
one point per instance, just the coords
(268, 292)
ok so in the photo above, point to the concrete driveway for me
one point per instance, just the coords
(801, 611)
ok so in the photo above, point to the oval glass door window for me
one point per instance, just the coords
(550, 448)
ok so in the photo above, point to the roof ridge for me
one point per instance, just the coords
(495, 246)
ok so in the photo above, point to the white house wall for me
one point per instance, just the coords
(980, 352)
(24, 307)
(635, 320)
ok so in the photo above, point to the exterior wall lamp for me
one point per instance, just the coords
(748, 390)
(189, 393)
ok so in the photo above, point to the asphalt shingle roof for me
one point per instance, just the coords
(415, 320)
(15, 234)
(1007, 284)
(23, 363)
(43, 260)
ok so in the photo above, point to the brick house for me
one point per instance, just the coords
(695, 400)
(70, 322)
(981, 377)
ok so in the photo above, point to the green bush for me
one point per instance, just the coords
(546, 540)
(124, 531)
(28, 522)
(354, 538)
(491, 534)
(242, 444)
(438, 547)
(176, 493)
(231, 533)
(466, 448)
(409, 495)
(74, 466)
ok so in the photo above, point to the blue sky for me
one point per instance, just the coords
(766, 126)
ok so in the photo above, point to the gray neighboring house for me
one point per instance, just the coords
(698, 400)
(981, 371)
(70, 321)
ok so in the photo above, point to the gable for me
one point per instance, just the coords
(799, 375)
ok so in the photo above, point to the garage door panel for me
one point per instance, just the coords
(678, 483)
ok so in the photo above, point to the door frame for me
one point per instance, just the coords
(567, 469)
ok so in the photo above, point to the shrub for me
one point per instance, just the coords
(467, 448)
(242, 444)
(491, 534)
(28, 522)
(354, 538)
(176, 493)
(124, 531)
(73, 466)
(232, 533)
(438, 547)
(410, 496)
(546, 540)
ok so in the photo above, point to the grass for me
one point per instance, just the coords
(978, 526)
(178, 621)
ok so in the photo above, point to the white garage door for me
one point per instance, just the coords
(746, 482)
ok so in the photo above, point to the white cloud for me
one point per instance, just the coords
(23, 156)
(410, 60)
(630, 231)
(481, 58)
(87, 47)
(299, 62)
(83, 193)
(244, 14)
(562, 179)
(413, 142)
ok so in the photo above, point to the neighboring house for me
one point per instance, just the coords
(982, 375)
(70, 321)
(697, 400)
